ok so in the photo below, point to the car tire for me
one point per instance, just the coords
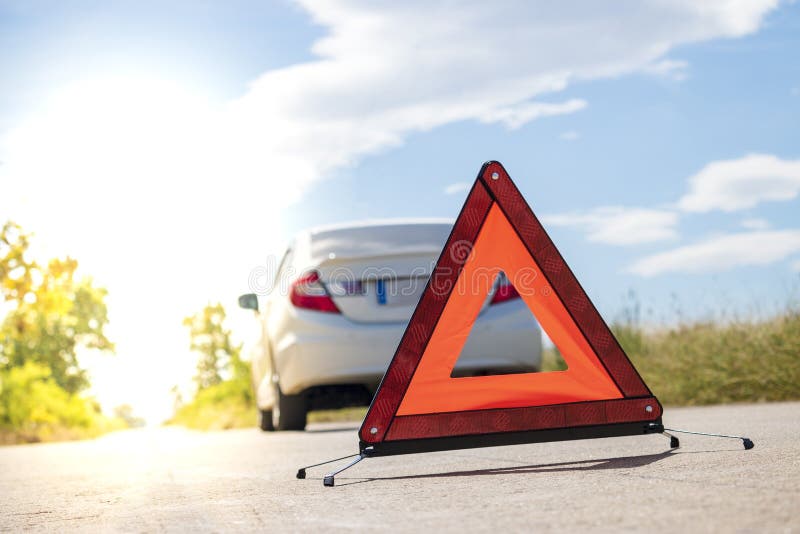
(265, 420)
(289, 412)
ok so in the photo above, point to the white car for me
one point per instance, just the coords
(340, 303)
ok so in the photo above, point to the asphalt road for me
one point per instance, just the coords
(169, 479)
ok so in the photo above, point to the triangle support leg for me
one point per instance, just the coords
(301, 473)
(674, 442)
(329, 479)
(747, 443)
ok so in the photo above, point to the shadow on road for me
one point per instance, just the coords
(625, 462)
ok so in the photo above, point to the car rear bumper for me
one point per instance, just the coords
(325, 349)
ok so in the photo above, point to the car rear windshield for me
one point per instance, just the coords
(379, 240)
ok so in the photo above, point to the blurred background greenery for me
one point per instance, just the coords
(48, 316)
(224, 397)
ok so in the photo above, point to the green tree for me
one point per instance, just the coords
(224, 397)
(219, 357)
(16, 271)
(52, 315)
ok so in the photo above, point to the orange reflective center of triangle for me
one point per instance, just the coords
(432, 390)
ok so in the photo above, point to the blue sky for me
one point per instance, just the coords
(173, 147)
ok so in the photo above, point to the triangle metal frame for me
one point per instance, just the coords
(383, 432)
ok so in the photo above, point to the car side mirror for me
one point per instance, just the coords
(249, 301)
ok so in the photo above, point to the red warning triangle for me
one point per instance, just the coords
(419, 407)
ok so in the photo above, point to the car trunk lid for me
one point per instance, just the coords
(377, 289)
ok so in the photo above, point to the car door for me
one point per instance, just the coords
(264, 368)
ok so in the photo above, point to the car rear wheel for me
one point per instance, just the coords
(289, 412)
(265, 420)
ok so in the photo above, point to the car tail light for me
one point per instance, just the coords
(307, 292)
(504, 292)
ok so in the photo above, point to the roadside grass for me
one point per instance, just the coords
(335, 416)
(713, 363)
(101, 424)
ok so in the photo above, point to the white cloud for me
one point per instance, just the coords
(620, 225)
(737, 184)
(515, 116)
(795, 266)
(668, 68)
(459, 187)
(755, 224)
(376, 81)
(570, 135)
(722, 253)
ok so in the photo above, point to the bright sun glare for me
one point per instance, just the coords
(132, 167)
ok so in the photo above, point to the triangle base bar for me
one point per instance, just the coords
(413, 446)
(576, 414)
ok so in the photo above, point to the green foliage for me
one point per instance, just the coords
(355, 413)
(50, 316)
(212, 342)
(552, 360)
(33, 407)
(16, 271)
(228, 404)
(709, 363)
(220, 403)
